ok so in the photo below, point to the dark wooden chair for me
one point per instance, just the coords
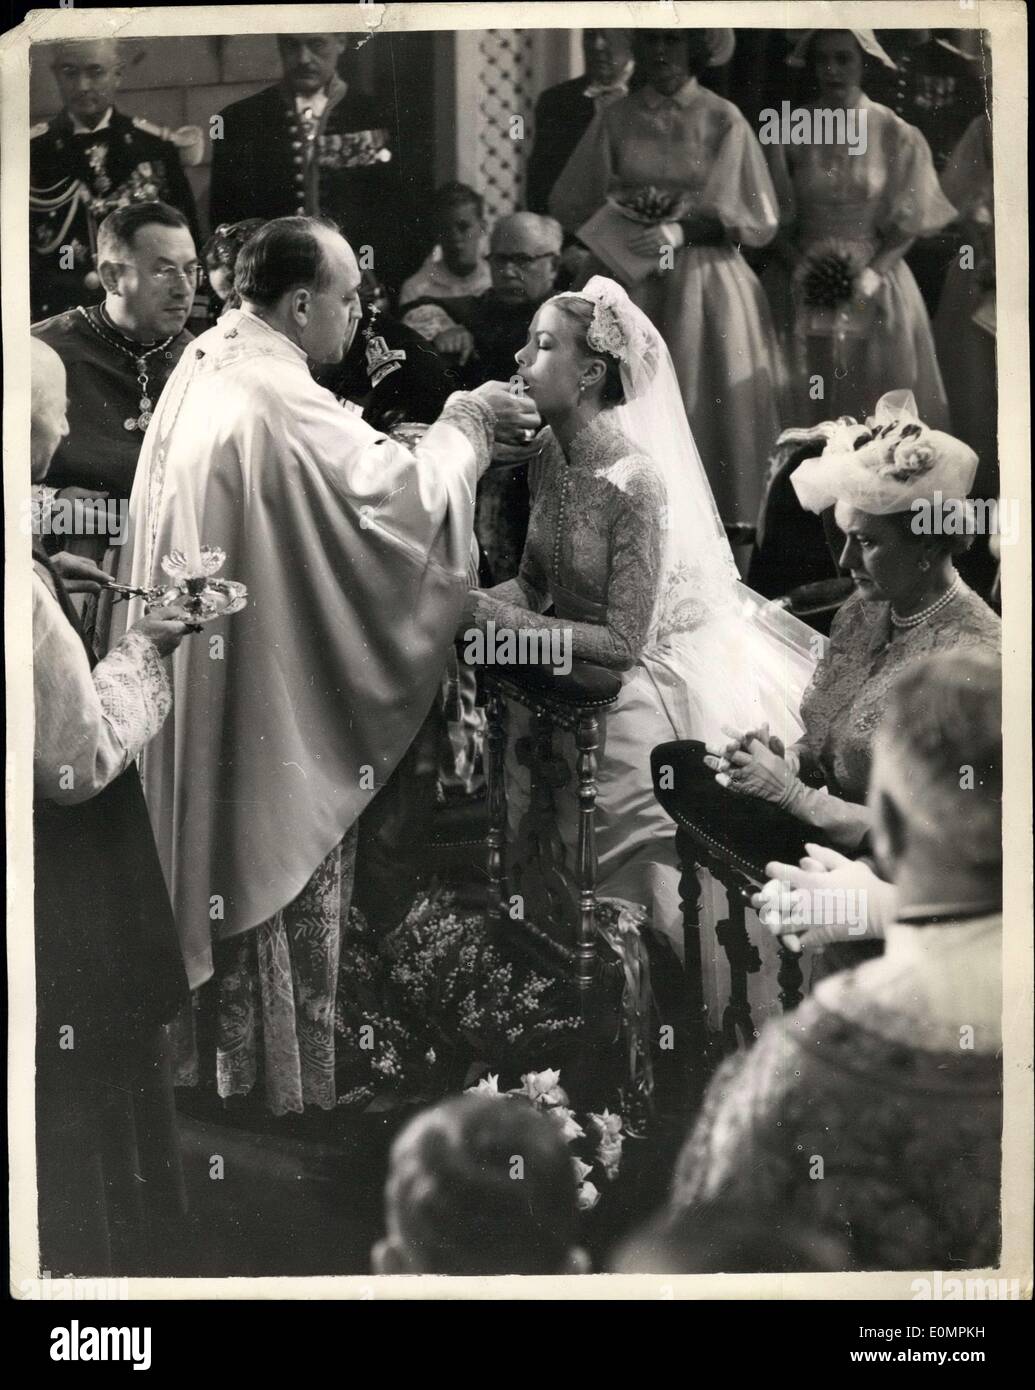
(732, 839)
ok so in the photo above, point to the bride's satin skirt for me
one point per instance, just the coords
(635, 838)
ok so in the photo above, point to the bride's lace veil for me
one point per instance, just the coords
(700, 582)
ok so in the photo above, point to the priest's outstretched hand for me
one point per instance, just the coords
(517, 418)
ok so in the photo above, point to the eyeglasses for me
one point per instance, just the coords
(499, 260)
(169, 274)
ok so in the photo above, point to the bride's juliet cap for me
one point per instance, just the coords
(885, 465)
(614, 330)
(865, 38)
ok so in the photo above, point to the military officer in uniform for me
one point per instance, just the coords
(310, 145)
(83, 164)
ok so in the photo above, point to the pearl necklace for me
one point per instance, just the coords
(925, 613)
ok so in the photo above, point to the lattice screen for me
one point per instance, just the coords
(506, 85)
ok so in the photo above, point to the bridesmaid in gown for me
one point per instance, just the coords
(677, 136)
(864, 209)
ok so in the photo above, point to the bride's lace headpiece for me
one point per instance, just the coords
(616, 331)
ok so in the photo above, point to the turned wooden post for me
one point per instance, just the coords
(744, 960)
(690, 904)
(496, 738)
(789, 979)
(586, 739)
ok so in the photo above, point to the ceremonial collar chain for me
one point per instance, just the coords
(917, 618)
(138, 355)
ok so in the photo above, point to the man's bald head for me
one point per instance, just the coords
(87, 73)
(49, 405)
(524, 253)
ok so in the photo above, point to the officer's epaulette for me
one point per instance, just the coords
(149, 127)
(40, 128)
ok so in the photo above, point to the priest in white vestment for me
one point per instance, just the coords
(290, 715)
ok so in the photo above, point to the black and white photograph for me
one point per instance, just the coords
(509, 529)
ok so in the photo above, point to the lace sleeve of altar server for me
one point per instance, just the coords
(90, 725)
(914, 204)
(633, 579)
(586, 178)
(739, 190)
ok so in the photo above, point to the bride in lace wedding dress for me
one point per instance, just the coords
(626, 546)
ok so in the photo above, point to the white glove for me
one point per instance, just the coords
(868, 283)
(831, 897)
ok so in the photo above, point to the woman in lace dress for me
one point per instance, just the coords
(626, 546)
(859, 207)
(909, 603)
(679, 137)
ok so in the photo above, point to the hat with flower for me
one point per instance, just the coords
(886, 464)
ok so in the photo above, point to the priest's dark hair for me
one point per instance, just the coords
(115, 234)
(284, 255)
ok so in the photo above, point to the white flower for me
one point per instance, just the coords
(606, 1123)
(582, 1170)
(912, 457)
(541, 1088)
(570, 1127)
(587, 1197)
(487, 1086)
(430, 1057)
(609, 1155)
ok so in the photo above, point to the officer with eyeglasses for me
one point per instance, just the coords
(118, 355)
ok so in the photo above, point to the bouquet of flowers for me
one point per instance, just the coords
(651, 205)
(827, 280)
(600, 1138)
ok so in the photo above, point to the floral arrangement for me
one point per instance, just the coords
(651, 204)
(604, 1139)
(430, 1007)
